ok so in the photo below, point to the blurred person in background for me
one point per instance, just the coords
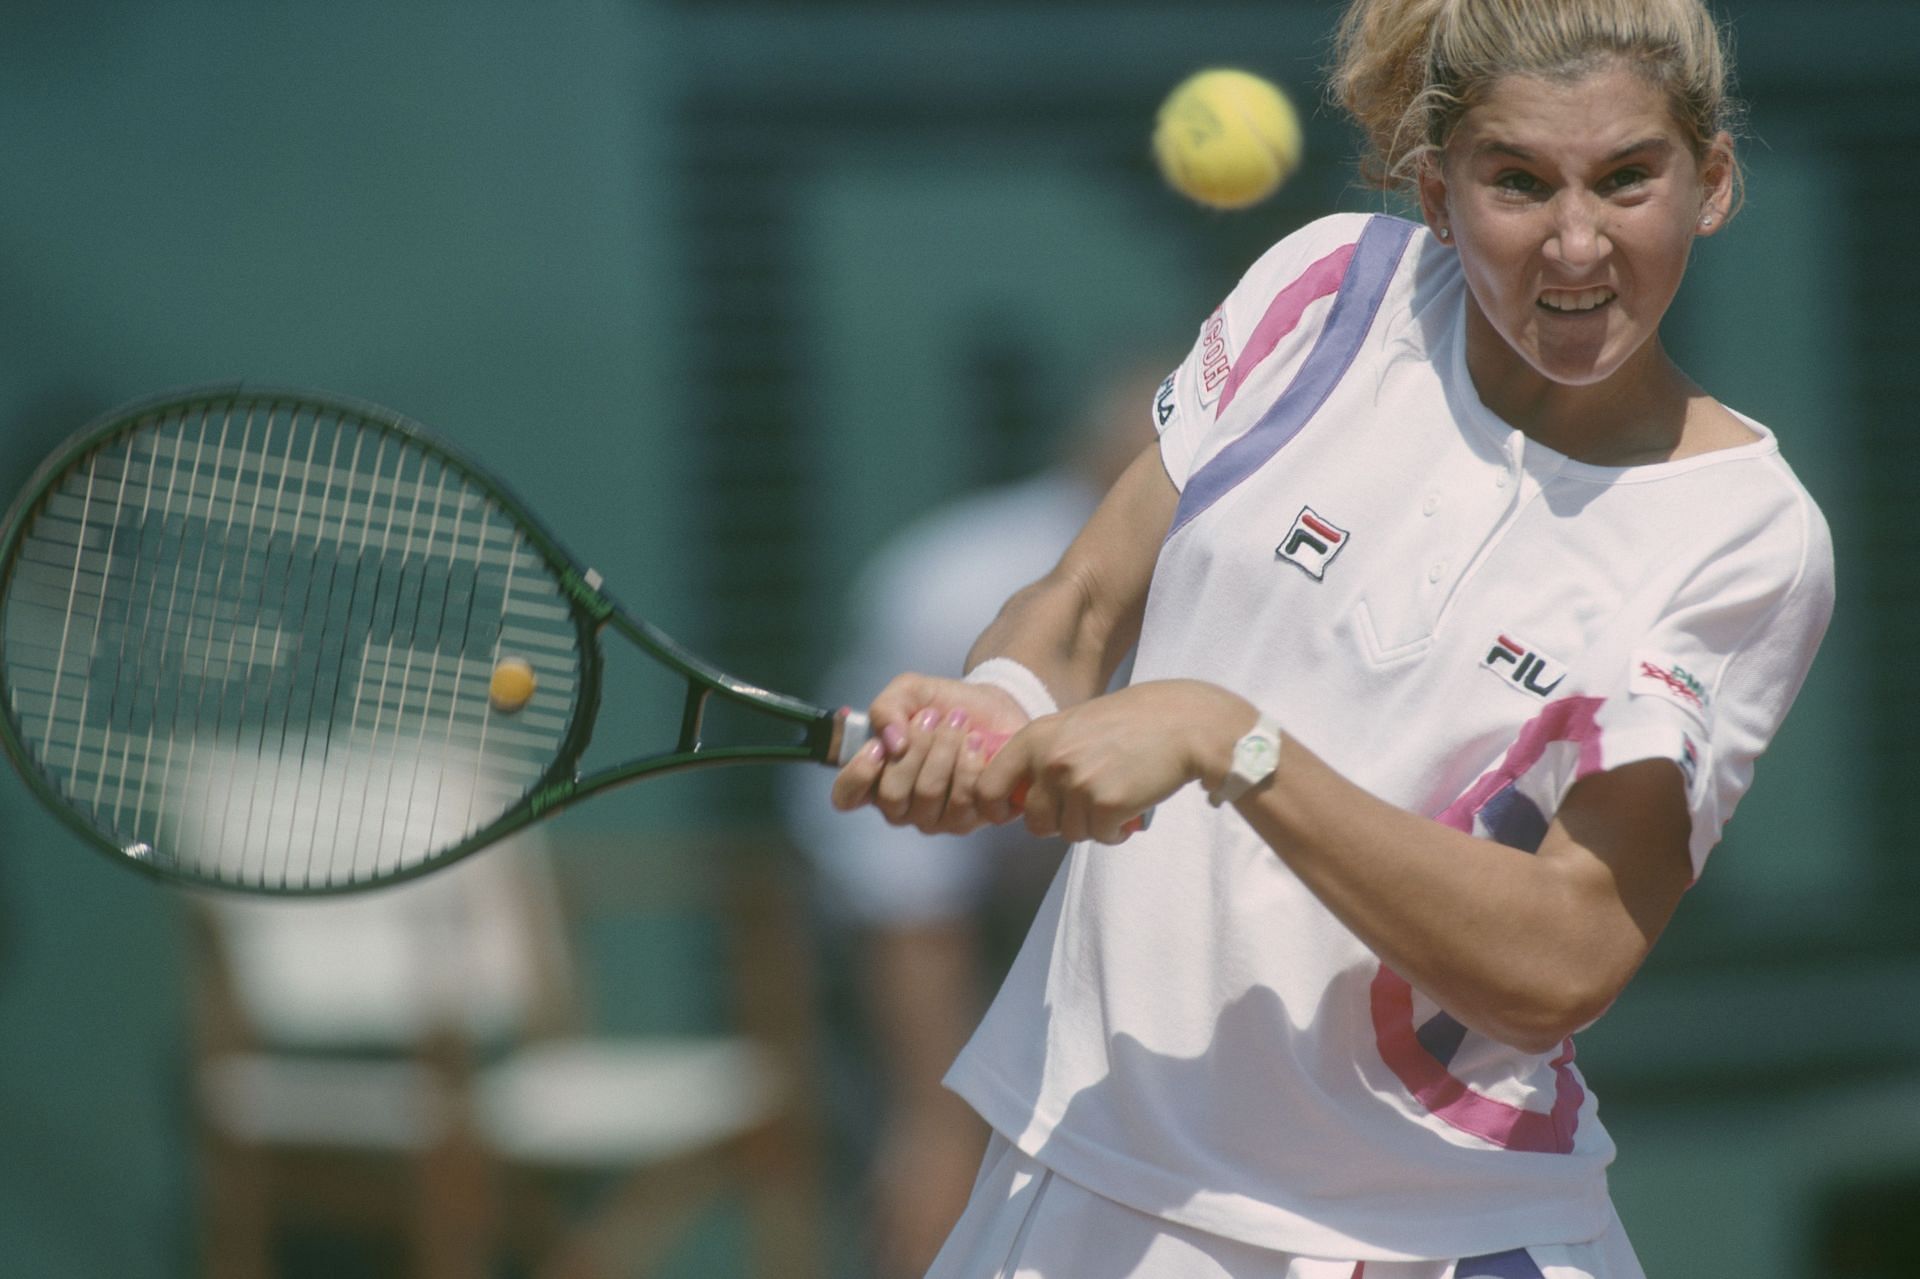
(932, 921)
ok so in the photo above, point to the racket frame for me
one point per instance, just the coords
(830, 736)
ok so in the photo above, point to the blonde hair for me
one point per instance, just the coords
(1408, 70)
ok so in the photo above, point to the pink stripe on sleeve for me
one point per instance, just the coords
(1283, 316)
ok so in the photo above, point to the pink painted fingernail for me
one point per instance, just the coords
(875, 749)
(974, 742)
(927, 718)
(894, 738)
(958, 719)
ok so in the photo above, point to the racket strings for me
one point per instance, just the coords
(253, 640)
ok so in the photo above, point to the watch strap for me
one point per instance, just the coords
(1255, 756)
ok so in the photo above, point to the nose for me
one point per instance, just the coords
(1578, 237)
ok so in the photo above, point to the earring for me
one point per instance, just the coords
(1445, 234)
(1706, 219)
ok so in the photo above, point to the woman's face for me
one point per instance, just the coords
(1574, 205)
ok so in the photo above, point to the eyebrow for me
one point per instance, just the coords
(1654, 143)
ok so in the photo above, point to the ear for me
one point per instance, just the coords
(1719, 181)
(1432, 185)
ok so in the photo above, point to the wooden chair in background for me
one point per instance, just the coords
(418, 1067)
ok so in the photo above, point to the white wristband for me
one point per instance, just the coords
(1017, 682)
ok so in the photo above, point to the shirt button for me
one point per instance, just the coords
(1500, 479)
(1436, 571)
(1431, 505)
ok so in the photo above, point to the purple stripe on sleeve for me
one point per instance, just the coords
(1363, 288)
(1499, 1265)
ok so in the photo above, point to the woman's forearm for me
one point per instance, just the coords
(1523, 947)
(1073, 627)
(1056, 629)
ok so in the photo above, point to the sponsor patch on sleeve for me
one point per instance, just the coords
(1661, 676)
(1214, 363)
(1166, 404)
(1689, 761)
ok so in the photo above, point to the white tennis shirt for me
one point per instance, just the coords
(1460, 621)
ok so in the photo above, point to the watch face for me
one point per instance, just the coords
(1255, 757)
(1256, 754)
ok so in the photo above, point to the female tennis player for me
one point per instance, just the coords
(1463, 615)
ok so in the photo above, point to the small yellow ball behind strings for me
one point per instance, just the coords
(512, 684)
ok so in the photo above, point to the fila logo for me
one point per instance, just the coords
(1312, 542)
(1164, 405)
(1524, 668)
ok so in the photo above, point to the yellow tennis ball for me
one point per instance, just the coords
(1227, 138)
(512, 684)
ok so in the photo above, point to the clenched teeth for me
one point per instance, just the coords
(1576, 299)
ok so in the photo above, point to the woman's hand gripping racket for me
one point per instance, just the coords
(290, 643)
(942, 786)
(1017, 801)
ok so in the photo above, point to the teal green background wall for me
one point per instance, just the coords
(728, 291)
(451, 209)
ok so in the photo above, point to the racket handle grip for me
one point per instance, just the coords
(851, 731)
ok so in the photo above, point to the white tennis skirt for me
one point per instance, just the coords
(1025, 1221)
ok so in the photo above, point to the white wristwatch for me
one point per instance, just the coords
(1255, 756)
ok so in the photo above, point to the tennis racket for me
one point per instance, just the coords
(290, 643)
